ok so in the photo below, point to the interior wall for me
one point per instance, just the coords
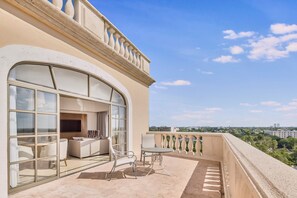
(80, 106)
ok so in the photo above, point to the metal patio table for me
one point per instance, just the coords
(157, 154)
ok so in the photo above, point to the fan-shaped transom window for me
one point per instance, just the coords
(65, 80)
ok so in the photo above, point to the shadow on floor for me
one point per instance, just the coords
(120, 174)
(205, 181)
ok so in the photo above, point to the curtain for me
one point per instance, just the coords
(102, 123)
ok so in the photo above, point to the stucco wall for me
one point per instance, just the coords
(19, 33)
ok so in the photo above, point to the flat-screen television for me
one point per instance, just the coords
(70, 126)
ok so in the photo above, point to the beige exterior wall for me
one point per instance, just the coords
(18, 28)
(26, 30)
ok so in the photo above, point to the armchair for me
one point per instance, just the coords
(122, 158)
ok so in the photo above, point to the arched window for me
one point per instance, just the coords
(34, 111)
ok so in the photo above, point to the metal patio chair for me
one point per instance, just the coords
(147, 141)
(122, 158)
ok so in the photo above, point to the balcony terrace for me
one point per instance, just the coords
(211, 165)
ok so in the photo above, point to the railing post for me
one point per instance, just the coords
(117, 44)
(122, 48)
(69, 8)
(134, 56)
(111, 38)
(130, 53)
(106, 38)
(190, 144)
(127, 50)
(184, 144)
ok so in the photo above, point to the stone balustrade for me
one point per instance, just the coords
(91, 19)
(246, 171)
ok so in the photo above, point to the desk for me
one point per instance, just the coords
(157, 152)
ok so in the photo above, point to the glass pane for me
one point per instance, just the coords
(46, 146)
(46, 102)
(71, 81)
(122, 137)
(115, 124)
(115, 112)
(35, 74)
(47, 123)
(99, 89)
(21, 98)
(46, 168)
(121, 147)
(22, 173)
(21, 149)
(115, 138)
(117, 98)
(21, 123)
(122, 113)
(122, 125)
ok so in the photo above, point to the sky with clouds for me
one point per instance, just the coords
(216, 63)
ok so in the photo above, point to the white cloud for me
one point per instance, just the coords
(160, 87)
(286, 108)
(267, 48)
(213, 109)
(177, 83)
(204, 116)
(282, 28)
(226, 59)
(270, 103)
(231, 34)
(247, 104)
(256, 111)
(292, 47)
(236, 49)
(205, 72)
(291, 106)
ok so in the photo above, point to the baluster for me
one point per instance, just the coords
(187, 140)
(163, 143)
(111, 38)
(127, 50)
(174, 142)
(190, 144)
(194, 145)
(177, 143)
(130, 54)
(138, 60)
(106, 38)
(117, 44)
(184, 144)
(200, 146)
(58, 4)
(180, 142)
(134, 56)
(69, 8)
(122, 48)
(170, 141)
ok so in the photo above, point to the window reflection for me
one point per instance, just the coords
(47, 123)
(21, 98)
(117, 98)
(71, 81)
(46, 102)
(22, 123)
(99, 89)
(35, 74)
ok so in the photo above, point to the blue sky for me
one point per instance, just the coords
(216, 63)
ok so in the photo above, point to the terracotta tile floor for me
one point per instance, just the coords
(188, 178)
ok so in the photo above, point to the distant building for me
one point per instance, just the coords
(282, 133)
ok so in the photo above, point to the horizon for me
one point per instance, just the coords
(217, 64)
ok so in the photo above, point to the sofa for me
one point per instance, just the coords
(86, 147)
